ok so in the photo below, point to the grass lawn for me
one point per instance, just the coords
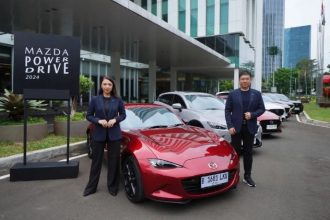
(317, 113)
(10, 148)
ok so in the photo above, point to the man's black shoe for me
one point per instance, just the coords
(113, 193)
(249, 181)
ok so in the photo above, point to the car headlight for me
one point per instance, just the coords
(157, 163)
(215, 125)
(233, 156)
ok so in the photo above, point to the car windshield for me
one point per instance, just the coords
(283, 97)
(273, 97)
(149, 117)
(204, 102)
(267, 98)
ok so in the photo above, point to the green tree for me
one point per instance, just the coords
(226, 85)
(307, 68)
(273, 51)
(249, 66)
(85, 85)
(284, 78)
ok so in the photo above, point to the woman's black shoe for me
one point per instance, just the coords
(86, 193)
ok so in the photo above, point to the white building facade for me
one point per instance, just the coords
(172, 45)
(208, 18)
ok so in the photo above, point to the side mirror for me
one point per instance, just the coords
(177, 106)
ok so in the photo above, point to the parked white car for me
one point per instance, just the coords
(201, 110)
(276, 108)
(281, 109)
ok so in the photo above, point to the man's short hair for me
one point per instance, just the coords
(245, 72)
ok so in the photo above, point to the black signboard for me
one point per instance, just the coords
(46, 62)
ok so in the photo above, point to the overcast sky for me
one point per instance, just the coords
(308, 12)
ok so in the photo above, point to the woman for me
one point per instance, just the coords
(105, 111)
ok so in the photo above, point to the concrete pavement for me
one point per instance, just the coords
(292, 172)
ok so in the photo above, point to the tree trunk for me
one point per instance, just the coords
(74, 105)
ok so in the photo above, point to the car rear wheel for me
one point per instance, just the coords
(132, 180)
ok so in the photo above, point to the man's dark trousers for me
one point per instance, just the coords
(247, 138)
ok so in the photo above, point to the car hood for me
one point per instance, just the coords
(183, 143)
(296, 101)
(212, 115)
(267, 115)
(271, 105)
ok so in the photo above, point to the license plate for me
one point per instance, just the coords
(214, 180)
(297, 108)
(271, 127)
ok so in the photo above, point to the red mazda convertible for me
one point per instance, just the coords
(166, 160)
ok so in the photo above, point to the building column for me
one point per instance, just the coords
(236, 78)
(173, 16)
(188, 15)
(258, 47)
(201, 21)
(159, 9)
(173, 79)
(66, 27)
(152, 81)
(217, 17)
(115, 69)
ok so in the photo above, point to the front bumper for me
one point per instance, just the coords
(298, 107)
(180, 185)
(266, 130)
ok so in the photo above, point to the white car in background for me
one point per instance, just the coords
(201, 110)
(275, 108)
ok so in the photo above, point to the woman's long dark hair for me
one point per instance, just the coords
(113, 91)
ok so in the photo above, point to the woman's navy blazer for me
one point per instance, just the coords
(96, 112)
(234, 110)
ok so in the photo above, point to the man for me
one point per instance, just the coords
(243, 106)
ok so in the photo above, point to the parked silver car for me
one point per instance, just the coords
(201, 110)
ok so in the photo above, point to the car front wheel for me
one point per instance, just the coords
(132, 180)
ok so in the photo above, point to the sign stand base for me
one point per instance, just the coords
(44, 171)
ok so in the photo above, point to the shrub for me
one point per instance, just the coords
(13, 104)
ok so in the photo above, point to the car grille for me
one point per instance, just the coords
(297, 105)
(264, 123)
(193, 185)
(278, 112)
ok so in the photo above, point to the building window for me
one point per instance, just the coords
(165, 10)
(193, 17)
(210, 17)
(224, 8)
(182, 15)
(154, 7)
(5, 68)
(144, 4)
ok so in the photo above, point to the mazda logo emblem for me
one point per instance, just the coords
(213, 165)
